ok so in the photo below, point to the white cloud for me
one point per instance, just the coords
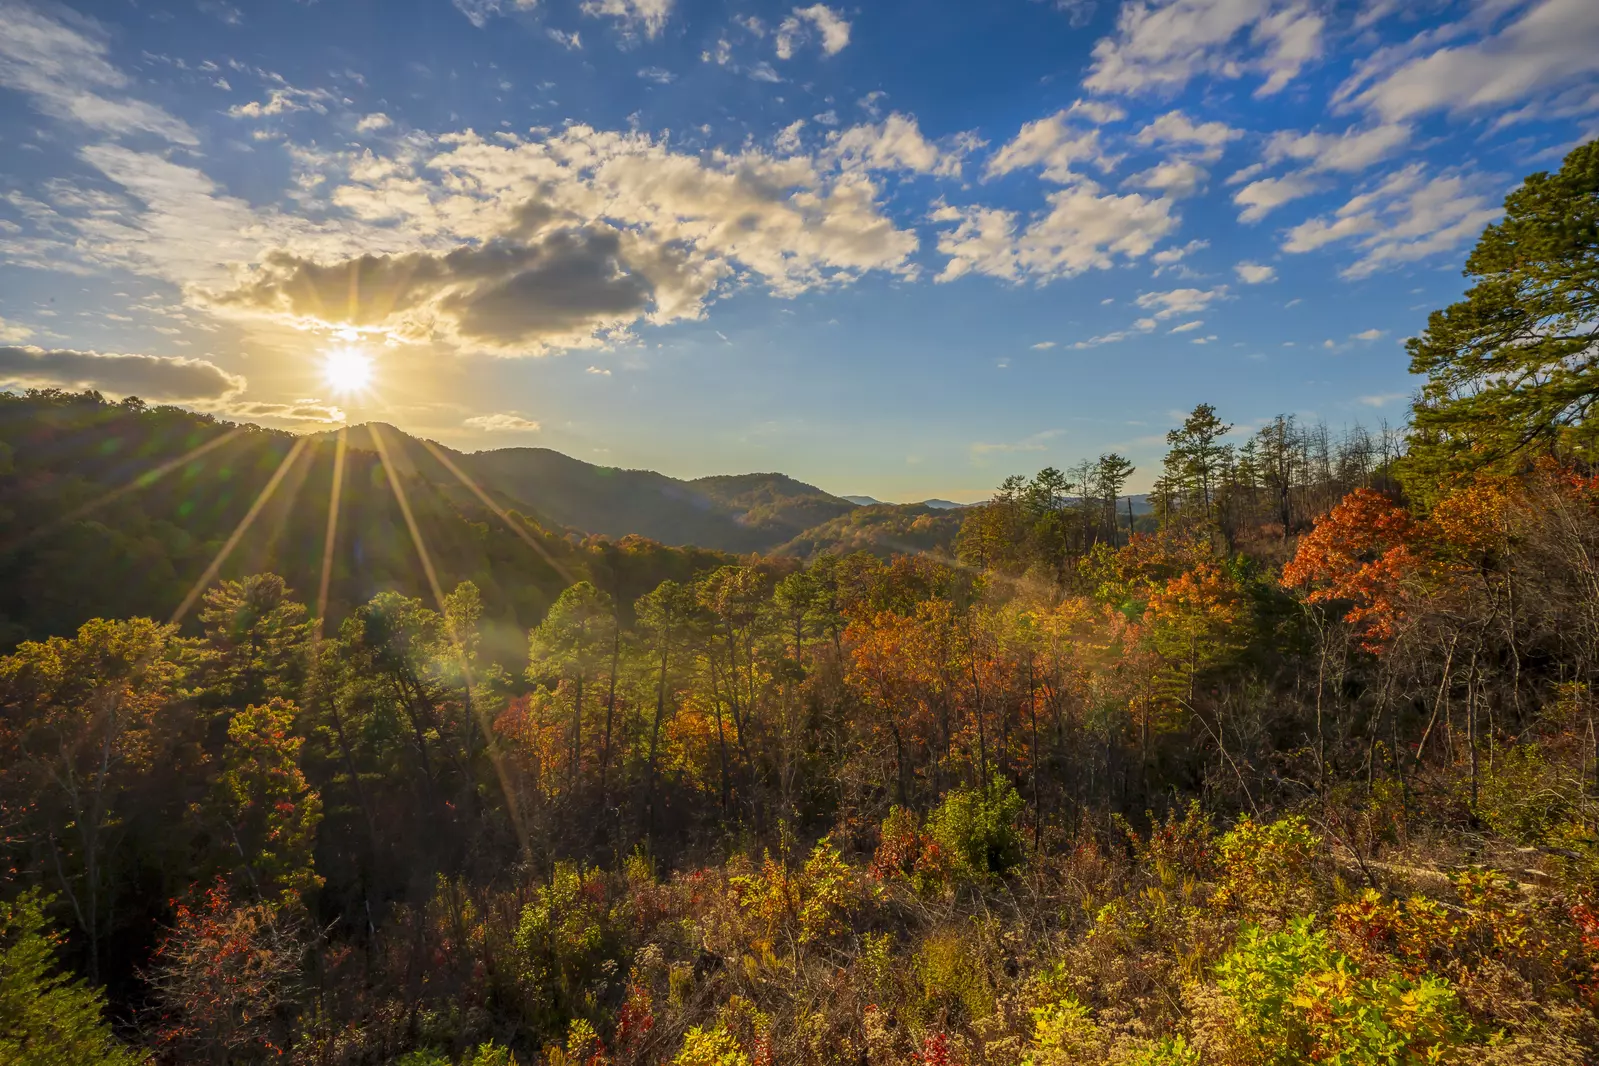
(502, 422)
(284, 100)
(1101, 112)
(1143, 325)
(1168, 257)
(374, 122)
(1369, 335)
(572, 42)
(62, 66)
(1083, 229)
(1176, 128)
(831, 27)
(1408, 216)
(896, 143)
(478, 12)
(1176, 178)
(1164, 305)
(1043, 346)
(658, 75)
(605, 372)
(1259, 198)
(13, 332)
(632, 15)
(1187, 327)
(1255, 273)
(1383, 399)
(1350, 151)
(1159, 45)
(1548, 46)
(1051, 144)
(150, 377)
(520, 246)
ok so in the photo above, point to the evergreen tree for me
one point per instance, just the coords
(1513, 369)
(46, 1018)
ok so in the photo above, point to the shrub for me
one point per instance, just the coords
(710, 1047)
(979, 832)
(1295, 999)
(952, 975)
(1064, 1034)
(1269, 869)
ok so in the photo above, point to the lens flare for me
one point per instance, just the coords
(347, 370)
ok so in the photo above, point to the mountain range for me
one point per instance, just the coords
(117, 510)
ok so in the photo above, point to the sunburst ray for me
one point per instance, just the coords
(238, 531)
(477, 710)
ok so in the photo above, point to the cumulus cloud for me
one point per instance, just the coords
(1051, 144)
(1159, 45)
(1260, 198)
(632, 15)
(1083, 229)
(896, 143)
(1176, 128)
(823, 21)
(559, 289)
(503, 422)
(1255, 273)
(1548, 46)
(373, 122)
(1406, 217)
(61, 65)
(1176, 178)
(1369, 335)
(1170, 257)
(562, 240)
(1350, 151)
(150, 377)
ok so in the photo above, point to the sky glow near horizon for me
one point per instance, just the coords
(895, 249)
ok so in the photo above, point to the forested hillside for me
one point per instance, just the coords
(118, 509)
(735, 513)
(1306, 773)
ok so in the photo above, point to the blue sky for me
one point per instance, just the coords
(900, 249)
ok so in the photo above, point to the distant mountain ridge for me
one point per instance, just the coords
(740, 513)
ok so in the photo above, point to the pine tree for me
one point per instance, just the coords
(46, 1018)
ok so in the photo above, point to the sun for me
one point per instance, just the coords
(347, 370)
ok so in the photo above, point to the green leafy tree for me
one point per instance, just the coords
(46, 1018)
(85, 712)
(269, 811)
(1513, 368)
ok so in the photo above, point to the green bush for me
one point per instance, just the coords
(1295, 999)
(978, 833)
